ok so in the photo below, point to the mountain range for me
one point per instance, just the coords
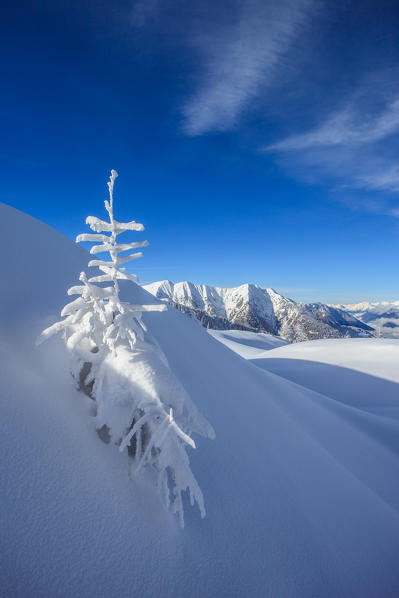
(383, 316)
(250, 307)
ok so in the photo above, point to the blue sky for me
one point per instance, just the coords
(256, 140)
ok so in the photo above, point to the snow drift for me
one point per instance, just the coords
(301, 490)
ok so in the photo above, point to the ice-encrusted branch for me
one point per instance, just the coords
(139, 402)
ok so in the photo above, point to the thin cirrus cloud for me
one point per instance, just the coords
(241, 59)
(353, 146)
(346, 127)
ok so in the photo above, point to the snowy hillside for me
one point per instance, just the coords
(249, 307)
(301, 490)
(362, 373)
(245, 343)
(382, 316)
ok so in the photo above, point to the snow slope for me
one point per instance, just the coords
(383, 316)
(245, 343)
(249, 307)
(301, 490)
(362, 373)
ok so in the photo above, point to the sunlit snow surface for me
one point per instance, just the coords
(301, 488)
(247, 344)
(363, 373)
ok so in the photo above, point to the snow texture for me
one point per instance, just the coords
(301, 488)
(247, 344)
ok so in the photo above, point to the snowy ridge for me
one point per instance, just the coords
(250, 307)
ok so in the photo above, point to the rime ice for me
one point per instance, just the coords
(140, 405)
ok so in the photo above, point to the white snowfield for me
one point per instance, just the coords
(247, 344)
(301, 490)
(375, 356)
(362, 373)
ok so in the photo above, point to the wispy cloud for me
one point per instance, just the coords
(385, 178)
(346, 127)
(241, 59)
(353, 146)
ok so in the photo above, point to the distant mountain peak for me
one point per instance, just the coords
(383, 316)
(251, 307)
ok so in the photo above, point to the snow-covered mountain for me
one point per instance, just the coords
(383, 316)
(250, 307)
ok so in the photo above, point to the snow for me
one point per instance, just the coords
(301, 489)
(362, 373)
(377, 357)
(250, 307)
(383, 316)
(139, 404)
(247, 344)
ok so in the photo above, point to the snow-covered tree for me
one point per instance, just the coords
(141, 406)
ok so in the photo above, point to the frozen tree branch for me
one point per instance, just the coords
(139, 401)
